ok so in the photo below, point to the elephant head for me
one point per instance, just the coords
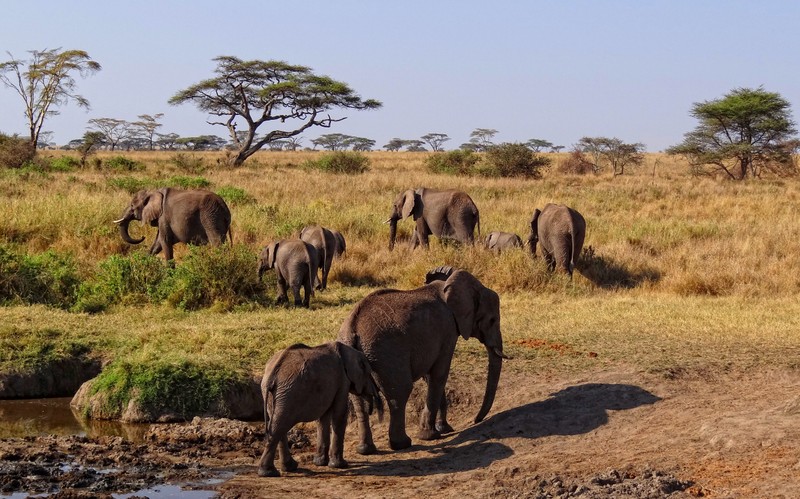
(266, 260)
(476, 309)
(341, 246)
(408, 203)
(533, 238)
(359, 372)
(145, 206)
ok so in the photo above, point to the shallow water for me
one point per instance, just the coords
(53, 416)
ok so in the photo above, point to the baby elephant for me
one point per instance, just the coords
(295, 264)
(303, 384)
(499, 241)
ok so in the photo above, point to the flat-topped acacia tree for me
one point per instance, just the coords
(250, 93)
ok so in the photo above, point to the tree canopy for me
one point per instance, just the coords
(742, 134)
(45, 82)
(250, 93)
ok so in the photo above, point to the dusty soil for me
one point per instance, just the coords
(601, 434)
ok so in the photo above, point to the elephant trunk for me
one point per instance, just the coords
(124, 222)
(392, 232)
(492, 379)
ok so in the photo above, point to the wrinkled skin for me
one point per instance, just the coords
(410, 334)
(445, 214)
(295, 264)
(330, 372)
(329, 244)
(182, 216)
(560, 231)
(499, 241)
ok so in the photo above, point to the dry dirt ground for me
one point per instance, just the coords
(600, 434)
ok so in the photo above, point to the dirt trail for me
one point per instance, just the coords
(608, 433)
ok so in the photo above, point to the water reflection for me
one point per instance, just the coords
(53, 416)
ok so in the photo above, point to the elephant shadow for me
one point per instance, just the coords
(604, 272)
(572, 411)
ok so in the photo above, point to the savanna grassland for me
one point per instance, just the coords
(673, 264)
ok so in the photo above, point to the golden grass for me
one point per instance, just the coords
(684, 271)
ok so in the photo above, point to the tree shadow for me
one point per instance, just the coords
(575, 410)
(606, 273)
(358, 278)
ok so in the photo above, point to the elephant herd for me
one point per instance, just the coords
(391, 339)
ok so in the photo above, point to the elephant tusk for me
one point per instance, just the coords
(388, 220)
(500, 353)
(119, 221)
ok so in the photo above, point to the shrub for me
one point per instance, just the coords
(186, 182)
(188, 163)
(122, 164)
(48, 278)
(514, 160)
(15, 151)
(64, 164)
(349, 162)
(122, 279)
(234, 195)
(576, 164)
(130, 184)
(458, 162)
(223, 277)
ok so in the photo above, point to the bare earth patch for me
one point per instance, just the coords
(599, 434)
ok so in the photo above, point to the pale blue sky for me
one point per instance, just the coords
(555, 70)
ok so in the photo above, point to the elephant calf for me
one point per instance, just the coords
(560, 231)
(303, 384)
(295, 264)
(499, 241)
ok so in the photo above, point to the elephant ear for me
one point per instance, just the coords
(461, 293)
(153, 208)
(272, 254)
(409, 203)
(356, 366)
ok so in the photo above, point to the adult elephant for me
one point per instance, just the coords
(445, 214)
(182, 216)
(560, 231)
(328, 243)
(410, 334)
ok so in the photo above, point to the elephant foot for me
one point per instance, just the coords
(429, 434)
(443, 427)
(337, 463)
(268, 472)
(404, 443)
(320, 460)
(366, 449)
(290, 465)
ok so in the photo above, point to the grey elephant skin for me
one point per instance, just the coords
(500, 241)
(445, 214)
(329, 244)
(182, 216)
(410, 334)
(303, 384)
(560, 231)
(295, 265)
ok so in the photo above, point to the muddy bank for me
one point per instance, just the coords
(60, 378)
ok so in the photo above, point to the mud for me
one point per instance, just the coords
(600, 434)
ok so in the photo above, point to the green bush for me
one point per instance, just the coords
(186, 182)
(188, 163)
(15, 151)
(122, 164)
(122, 279)
(130, 184)
(514, 160)
(234, 195)
(48, 278)
(222, 277)
(458, 162)
(349, 162)
(64, 164)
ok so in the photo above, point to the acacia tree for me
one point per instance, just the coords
(435, 140)
(113, 130)
(46, 82)
(611, 151)
(743, 133)
(292, 98)
(146, 127)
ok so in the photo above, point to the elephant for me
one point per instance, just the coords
(499, 241)
(330, 372)
(560, 231)
(295, 264)
(328, 243)
(407, 335)
(445, 214)
(194, 216)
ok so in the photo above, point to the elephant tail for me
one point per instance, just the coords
(376, 399)
(269, 403)
(230, 235)
(572, 255)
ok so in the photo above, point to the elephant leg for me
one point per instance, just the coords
(423, 232)
(442, 426)
(323, 439)
(307, 287)
(326, 268)
(266, 467)
(298, 302)
(287, 462)
(436, 380)
(155, 248)
(398, 438)
(338, 425)
(282, 294)
(367, 445)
